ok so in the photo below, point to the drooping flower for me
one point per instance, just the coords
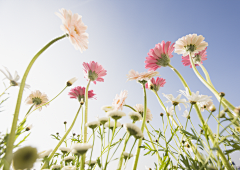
(37, 99)
(71, 81)
(13, 79)
(133, 130)
(170, 111)
(44, 154)
(198, 58)
(140, 109)
(80, 148)
(79, 93)
(75, 28)
(134, 75)
(186, 114)
(155, 85)
(176, 101)
(159, 56)
(119, 100)
(206, 105)
(135, 116)
(94, 71)
(107, 108)
(93, 124)
(191, 43)
(111, 126)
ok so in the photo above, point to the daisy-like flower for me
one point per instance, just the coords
(153, 84)
(159, 56)
(119, 100)
(44, 154)
(103, 120)
(133, 130)
(107, 108)
(65, 150)
(75, 28)
(69, 158)
(93, 162)
(206, 105)
(186, 114)
(198, 58)
(55, 167)
(135, 116)
(221, 114)
(115, 114)
(94, 71)
(175, 101)
(79, 93)
(170, 111)
(71, 81)
(191, 43)
(126, 155)
(13, 79)
(106, 125)
(80, 148)
(69, 168)
(93, 124)
(134, 75)
(37, 99)
(140, 109)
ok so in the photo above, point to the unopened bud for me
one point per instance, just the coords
(71, 81)
(74, 134)
(120, 139)
(57, 133)
(156, 141)
(201, 131)
(187, 145)
(221, 94)
(78, 135)
(237, 110)
(122, 125)
(148, 121)
(143, 138)
(161, 114)
(28, 128)
(65, 122)
(212, 108)
(183, 141)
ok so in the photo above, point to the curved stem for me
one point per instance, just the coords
(6, 90)
(63, 138)
(121, 156)
(126, 161)
(8, 155)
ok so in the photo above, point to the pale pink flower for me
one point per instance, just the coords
(37, 99)
(75, 28)
(153, 84)
(198, 58)
(191, 43)
(119, 100)
(94, 71)
(159, 56)
(134, 75)
(79, 93)
(140, 109)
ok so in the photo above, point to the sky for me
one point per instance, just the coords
(121, 33)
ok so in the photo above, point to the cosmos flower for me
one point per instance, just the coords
(119, 100)
(155, 85)
(159, 56)
(37, 99)
(198, 58)
(134, 75)
(75, 28)
(79, 93)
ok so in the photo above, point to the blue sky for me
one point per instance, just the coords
(120, 35)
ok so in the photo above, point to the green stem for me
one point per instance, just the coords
(6, 90)
(8, 155)
(121, 156)
(126, 161)
(117, 146)
(92, 148)
(63, 138)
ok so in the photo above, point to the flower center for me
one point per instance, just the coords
(92, 75)
(13, 83)
(27, 156)
(36, 100)
(197, 59)
(164, 60)
(76, 31)
(191, 47)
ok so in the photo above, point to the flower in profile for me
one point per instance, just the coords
(198, 58)
(119, 100)
(79, 93)
(13, 79)
(55, 167)
(25, 157)
(111, 126)
(94, 71)
(127, 155)
(107, 108)
(159, 56)
(103, 120)
(93, 124)
(71, 81)
(115, 114)
(140, 109)
(92, 163)
(133, 130)
(80, 148)
(44, 154)
(69, 168)
(170, 111)
(65, 150)
(134, 75)
(155, 85)
(191, 43)
(75, 28)
(135, 116)
(176, 101)
(206, 105)
(37, 99)
(186, 114)
(69, 158)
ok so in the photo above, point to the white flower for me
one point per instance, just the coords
(133, 130)
(175, 101)
(44, 153)
(112, 124)
(65, 149)
(115, 114)
(69, 168)
(186, 114)
(221, 115)
(71, 81)
(103, 120)
(13, 79)
(93, 124)
(107, 108)
(196, 98)
(191, 43)
(135, 116)
(80, 148)
(29, 128)
(170, 111)
(126, 155)
(93, 162)
(69, 158)
(55, 167)
(140, 109)
(119, 100)
(206, 105)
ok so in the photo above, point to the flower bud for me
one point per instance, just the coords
(212, 108)
(29, 128)
(65, 122)
(237, 110)
(156, 141)
(71, 81)
(161, 114)
(221, 94)
(201, 131)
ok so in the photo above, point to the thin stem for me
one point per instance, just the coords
(6, 90)
(126, 161)
(92, 148)
(121, 156)
(117, 146)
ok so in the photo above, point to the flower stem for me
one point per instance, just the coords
(126, 161)
(8, 155)
(92, 149)
(63, 138)
(5, 90)
(121, 156)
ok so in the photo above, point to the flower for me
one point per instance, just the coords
(170, 111)
(198, 58)
(55, 167)
(107, 108)
(79, 93)
(37, 98)
(71, 81)
(75, 28)
(159, 56)
(126, 155)
(221, 114)
(69, 168)
(188, 147)
(111, 126)
(13, 79)
(175, 101)
(153, 84)
(191, 43)
(93, 124)
(29, 127)
(134, 75)
(69, 158)
(94, 71)
(186, 114)
(103, 120)
(93, 162)
(65, 150)
(119, 100)
(80, 148)
(115, 114)
(140, 109)
(135, 116)
(24, 158)
(44, 154)
(133, 130)
(206, 105)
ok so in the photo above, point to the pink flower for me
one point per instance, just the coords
(94, 71)
(199, 57)
(75, 28)
(79, 93)
(134, 75)
(119, 100)
(159, 56)
(153, 84)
